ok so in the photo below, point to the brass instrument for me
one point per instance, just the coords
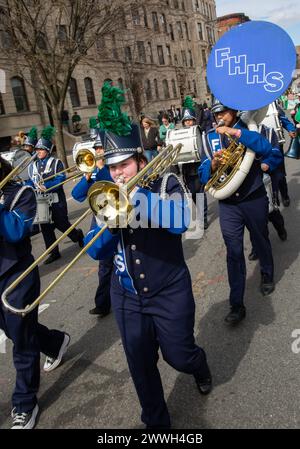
(232, 158)
(85, 162)
(153, 170)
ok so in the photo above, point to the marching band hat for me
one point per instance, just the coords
(31, 139)
(45, 141)
(119, 148)
(219, 107)
(99, 138)
(188, 114)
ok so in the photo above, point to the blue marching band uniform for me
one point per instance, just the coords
(246, 207)
(79, 193)
(151, 291)
(17, 212)
(44, 167)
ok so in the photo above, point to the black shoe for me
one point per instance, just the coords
(253, 255)
(52, 258)
(286, 201)
(235, 315)
(204, 384)
(80, 238)
(205, 223)
(267, 286)
(282, 234)
(97, 311)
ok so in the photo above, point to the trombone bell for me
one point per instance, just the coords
(85, 161)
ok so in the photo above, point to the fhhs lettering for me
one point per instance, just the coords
(254, 73)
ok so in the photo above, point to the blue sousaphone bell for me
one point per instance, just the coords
(294, 148)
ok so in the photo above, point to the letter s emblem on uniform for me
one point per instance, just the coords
(119, 262)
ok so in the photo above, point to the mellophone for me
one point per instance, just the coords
(44, 202)
(190, 138)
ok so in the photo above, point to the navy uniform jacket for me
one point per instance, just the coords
(48, 167)
(147, 260)
(253, 184)
(286, 123)
(17, 212)
(79, 192)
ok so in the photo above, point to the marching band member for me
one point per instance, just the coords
(79, 193)
(30, 141)
(151, 289)
(248, 206)
(44, 166)
(282, 184)
(29, 337)
(190, 170)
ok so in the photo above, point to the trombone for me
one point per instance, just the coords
(85, 162)
(99, 191)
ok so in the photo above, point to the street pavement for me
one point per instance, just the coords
(255, 366)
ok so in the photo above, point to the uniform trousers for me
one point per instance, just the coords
(252, 214)
(102, 298)
(28, 336)
(164, 321)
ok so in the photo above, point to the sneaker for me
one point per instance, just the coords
(24, 420)
(52, 362)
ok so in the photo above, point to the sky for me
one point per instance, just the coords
(285, 13)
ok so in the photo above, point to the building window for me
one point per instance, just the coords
(19, 93)
(183, 5)
(189, 85)
(203, 57)
(145, 17)
(169, 56)
(128, 55)
(114, 47)
(135, 15)
(179, 30)
(150, 53)
(200, 32)
(160, 53)
(176, 5)
(171, 32)
(196, 5)
(195, 88)
(5, 39)
(156, 88)
(74, 93)
(174, 88)
(148, 90)
(141, 51)
(164, 23)
(2, 110)
(191, 58)
(183, 57)
(41, 41)
(155, 21)
(166, 89)
(62, 33)
(186, 31)
(89, 89)
(175, 59)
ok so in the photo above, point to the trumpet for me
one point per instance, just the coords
(85, 162)
(99, 191)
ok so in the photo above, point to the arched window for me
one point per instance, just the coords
(148, 90)
(174, 88)
(89, 89)
(166, 89)
(74, 93)
(156, 88)
(41, 41)
(19, 93)
(195, 88)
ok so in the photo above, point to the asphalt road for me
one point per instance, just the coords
(255, 370)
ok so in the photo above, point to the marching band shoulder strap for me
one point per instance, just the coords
(163, 188)
(18, 195)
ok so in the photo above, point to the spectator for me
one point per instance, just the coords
(165, 126)
(150, 138)
(76, 121)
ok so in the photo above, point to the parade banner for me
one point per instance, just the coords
(251, 65)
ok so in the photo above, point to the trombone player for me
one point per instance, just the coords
(43, 167)
(29, 337)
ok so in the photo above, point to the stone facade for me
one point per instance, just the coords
(169, 45)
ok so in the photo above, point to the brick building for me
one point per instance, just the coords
(159, 57)
(224, 23)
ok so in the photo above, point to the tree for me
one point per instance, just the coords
(49, 38)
